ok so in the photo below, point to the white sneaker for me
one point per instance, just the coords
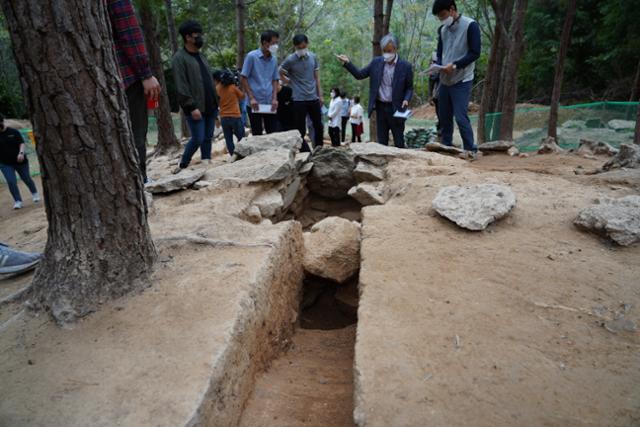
(17, 205)
(36, 197)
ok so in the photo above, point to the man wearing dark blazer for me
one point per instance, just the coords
(390, 89)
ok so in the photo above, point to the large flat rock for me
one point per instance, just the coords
(474, 207)
(174, 182)
(381, 154)
(618, 219)
(182, 353)
(274, 141)
(263, 166)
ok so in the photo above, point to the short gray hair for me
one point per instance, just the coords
(389, 38)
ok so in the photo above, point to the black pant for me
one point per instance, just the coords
(313, 109)
(345, 120)
(334, 133)
(385, 122)
(256, 120)
(435, 104)
(353, 133)
(139, 123)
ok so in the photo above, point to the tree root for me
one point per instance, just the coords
(199, 240)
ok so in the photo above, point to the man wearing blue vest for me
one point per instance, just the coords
(458, 49)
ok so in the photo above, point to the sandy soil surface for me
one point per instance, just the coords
(511, 326)
(500, 328)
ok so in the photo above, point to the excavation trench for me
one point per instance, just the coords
(311, 383)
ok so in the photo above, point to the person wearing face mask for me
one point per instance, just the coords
(390, 89)
(139, 83)
(335, 115)
(196, 93)
(13, 159)
(458, 49)
(302, 72)
(259, 79)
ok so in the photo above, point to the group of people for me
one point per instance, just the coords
(342, 112)
(274, 96)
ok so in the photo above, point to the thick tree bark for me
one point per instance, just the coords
(167, 141)
(240, 32)
(510, 83)
(565, 40)
(387, 17)
(99, 246)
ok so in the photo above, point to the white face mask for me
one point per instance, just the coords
(388, 57)
(447, 22)
(333, 94)
(302, 52)
(273, 49)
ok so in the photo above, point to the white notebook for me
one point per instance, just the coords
(403, 114)
(265, 109)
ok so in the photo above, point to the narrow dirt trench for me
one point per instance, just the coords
(312, 383)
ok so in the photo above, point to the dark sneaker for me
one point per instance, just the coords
(14, 262)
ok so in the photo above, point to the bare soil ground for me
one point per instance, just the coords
(504, 327)
(511, 326)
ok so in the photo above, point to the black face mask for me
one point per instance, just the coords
(198, 41)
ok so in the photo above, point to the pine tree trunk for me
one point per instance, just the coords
(565, 40)
(167, 141)
(378, 27)
(493, 76)
(510, 92)
(99, 245)
(635, 90)
(171, 26)
(240, 31)
(387, 18)
(636, 137)
(173, 37)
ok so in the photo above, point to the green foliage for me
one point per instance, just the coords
(602, 58)
(11, 100)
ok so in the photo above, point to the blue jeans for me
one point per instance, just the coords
(453, 101)
(243, 111)
(9, 172)
(232, 126)
(201, 135)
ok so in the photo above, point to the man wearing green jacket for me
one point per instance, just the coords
(196, 93)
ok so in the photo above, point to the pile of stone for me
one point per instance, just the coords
(419, 137)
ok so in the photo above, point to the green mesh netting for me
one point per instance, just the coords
(611, 122)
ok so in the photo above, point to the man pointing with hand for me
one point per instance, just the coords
(390, 89)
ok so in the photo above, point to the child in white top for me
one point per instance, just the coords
(356, 119)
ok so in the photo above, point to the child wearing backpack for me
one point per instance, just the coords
(230, 116)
